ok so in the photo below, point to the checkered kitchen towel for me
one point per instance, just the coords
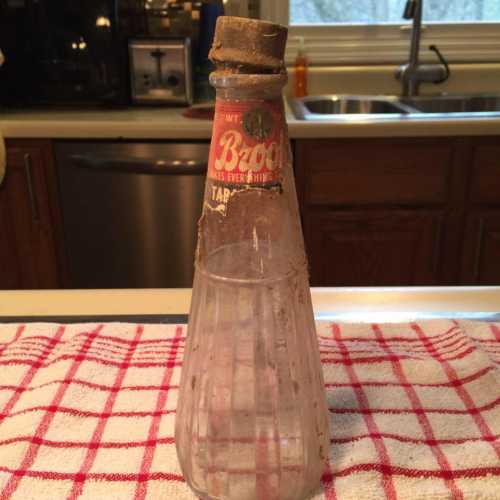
(88, 411)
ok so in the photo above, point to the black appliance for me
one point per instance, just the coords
(75, 52)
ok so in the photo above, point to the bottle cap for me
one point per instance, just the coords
(249, 42)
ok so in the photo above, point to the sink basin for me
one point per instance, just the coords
(359, 107)
(455, 104)
(327, 107)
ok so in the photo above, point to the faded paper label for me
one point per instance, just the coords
(248, 150)
(248, 143)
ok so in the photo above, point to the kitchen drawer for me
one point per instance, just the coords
(355, 172)
(485, 181)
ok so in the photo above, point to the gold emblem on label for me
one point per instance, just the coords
(258, 123)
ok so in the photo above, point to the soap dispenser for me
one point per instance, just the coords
(301, 69)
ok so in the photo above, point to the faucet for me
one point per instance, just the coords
(412, 74)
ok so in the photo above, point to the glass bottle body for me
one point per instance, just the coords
(252, 420)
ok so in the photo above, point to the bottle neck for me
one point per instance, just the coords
(249, 139)
(235, 86)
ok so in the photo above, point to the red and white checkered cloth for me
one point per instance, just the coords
(88, 411)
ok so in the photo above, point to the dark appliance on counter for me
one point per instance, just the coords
(76, 52)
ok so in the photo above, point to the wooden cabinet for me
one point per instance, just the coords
(28, 209)
(381, 248)
(481, 256)
(481, 245)
(375, 212)
(485, 172)
(381, 212)
(357, 172)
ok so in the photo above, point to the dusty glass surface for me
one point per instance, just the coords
(252, 420)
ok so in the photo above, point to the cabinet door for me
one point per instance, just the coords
(485, 172)
(390, 248)
(27, 246)
(481, 256)
(9, 272)
(350, 172)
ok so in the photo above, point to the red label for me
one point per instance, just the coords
(248, 143)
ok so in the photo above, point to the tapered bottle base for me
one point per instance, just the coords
(308, 493)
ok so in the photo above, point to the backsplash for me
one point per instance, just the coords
(245, 8)
(254, 8)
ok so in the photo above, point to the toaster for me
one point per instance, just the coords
(160, 71)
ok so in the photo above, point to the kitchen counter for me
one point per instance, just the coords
(371, 304)
(168, 123)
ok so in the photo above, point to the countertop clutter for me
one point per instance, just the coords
(169, 123)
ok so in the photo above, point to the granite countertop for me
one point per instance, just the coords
(169, 123)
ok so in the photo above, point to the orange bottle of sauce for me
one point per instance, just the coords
(301, 70)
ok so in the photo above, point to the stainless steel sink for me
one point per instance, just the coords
(455, 104)
(333, 106)
(355, 107)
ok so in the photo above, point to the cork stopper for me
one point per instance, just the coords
(249, 45)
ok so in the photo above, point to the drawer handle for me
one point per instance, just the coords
(35, 213)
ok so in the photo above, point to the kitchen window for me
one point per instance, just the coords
(373, 31)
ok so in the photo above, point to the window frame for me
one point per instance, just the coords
(387, 43)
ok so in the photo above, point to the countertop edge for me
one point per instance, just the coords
(326, 301)
(172, 125)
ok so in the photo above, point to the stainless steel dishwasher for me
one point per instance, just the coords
(130, 211)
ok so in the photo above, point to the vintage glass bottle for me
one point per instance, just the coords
(251, 419)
